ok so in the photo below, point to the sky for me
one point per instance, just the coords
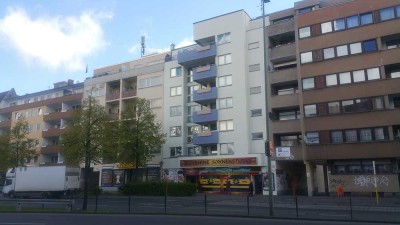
(46, 41)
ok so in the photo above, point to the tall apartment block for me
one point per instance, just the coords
(116, 86)
(47, 113)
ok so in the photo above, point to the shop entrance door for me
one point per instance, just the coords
(258, 184)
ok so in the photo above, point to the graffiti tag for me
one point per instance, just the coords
(365, 181)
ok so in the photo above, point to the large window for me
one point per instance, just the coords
(149, 82)
(352, 21)
(310, 110)
(365, 135)
(342, 50)
(329, 53)
(308, 83)
(175, 131)
(331, 80)
(326, 27)
(355, 48)
(227, 149)
(306, 57)
(373, 74)
(369, 46)
(176, 72)
(225, 103)
(289, 140)
(337, 137)
(366, 19)
(333, 107)
(176, 91)
(345, 78)
(224, 59)
(339, 24)
(225, 81)
(304, 32)
(176, 111)
(351, 135)
(358, 76)
(312, 138)
(289, 115)
(224, 38)
(387, 14)
(226, 125)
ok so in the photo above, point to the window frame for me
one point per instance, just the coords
(225, 61)
(176, 88)
(306, 31)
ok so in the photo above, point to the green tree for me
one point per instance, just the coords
(85, 137)
(5, 153)
(22, 147)
(139, 134)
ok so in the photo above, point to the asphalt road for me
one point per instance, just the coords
(101, 219)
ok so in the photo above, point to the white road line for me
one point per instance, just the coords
(22, 224)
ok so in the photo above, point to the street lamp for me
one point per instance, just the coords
(267, 142)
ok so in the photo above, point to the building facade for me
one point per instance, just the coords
(47, 113)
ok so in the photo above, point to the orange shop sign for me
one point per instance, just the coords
(219, 162)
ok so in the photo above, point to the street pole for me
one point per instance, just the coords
(267, 142)
(376, 186)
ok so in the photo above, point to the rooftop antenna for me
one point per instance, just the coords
(143, 45)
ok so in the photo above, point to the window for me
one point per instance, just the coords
(331, 80)
(30, 128)
(175, 131)
(366, 19)
(351, 135)
(40, 112)
(226, 125)
(225, 81)
(329, 53)
(333, 107)
(369, 46)
(38, 126)
(373, 74)
(339, 24)
(256, 112)
(337, 137)
(348, 106)
(176, 72)
(225, 103)
(308, 83)
(32, 113)
(306, 9)
(289, 140)
(304, 32)
(255, 90)
(255, 67)
(175, 111)
(306, 57)
(379, 134)
(355, 48)
(310, 110)
(326, 27)
(358, 76)
(377, 103)
(175, 151)
(387, 14)
(175, 91)
(398, 11)
(312, 138)
(224, 59)
(224, 38)
(149, 82)
(345, 78)
(257, 136)
(227, 149)
(155, 103)
(254, 45)
(365, 135)
(289, 115)
(342, 50)
(352, 21)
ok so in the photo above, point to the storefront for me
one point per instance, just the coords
(212, 175)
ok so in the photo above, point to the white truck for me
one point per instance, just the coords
(41, 181)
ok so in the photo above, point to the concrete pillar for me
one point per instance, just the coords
(310, 178)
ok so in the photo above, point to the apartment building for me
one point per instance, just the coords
(47, 113)
(116, 86)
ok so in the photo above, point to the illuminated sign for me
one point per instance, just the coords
(219, 162)
(126, 165)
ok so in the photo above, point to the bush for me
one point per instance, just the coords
(157, 188)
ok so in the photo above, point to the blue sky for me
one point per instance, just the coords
(47, 41)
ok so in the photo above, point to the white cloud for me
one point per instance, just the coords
(135, 49)
(58, 42)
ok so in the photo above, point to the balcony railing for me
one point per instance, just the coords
(50, 149)
(202, 54)
(206, 138)
(57, 115)
(52, 132)
(283, 53)
(205, 116)
(204, 74)
(5, 124)
(129, 93)
(205, 95)
(112, 96)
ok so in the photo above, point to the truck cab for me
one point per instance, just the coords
(9, 183)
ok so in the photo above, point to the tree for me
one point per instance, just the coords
(5, 153)
(85, 137)
(22, 147)
(139, 134)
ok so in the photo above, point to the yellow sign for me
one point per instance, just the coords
(126, 165)
(219, 162)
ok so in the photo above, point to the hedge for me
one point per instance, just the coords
(156, 188)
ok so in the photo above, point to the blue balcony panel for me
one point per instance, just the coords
(206, 138)
(205, 116)
(197, 55)
(205, 74)
(205, 95)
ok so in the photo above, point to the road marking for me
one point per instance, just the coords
(322, 214)
(22, 224)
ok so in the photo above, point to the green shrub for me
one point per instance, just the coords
(157, 188)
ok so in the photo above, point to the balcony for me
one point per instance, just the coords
(5, 124)
(285, 126)
(205, 116)
(205, 95)
(50, 149)
(295, 153)
(128, 94)
(52, 132)
(280, 28)
(282, 101)
(205, 138)
(197, 55)
(283, 53)
(282, 76)
(58, 115)
(112, 96)
(205, 74)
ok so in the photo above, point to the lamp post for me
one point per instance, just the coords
(267, 142)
